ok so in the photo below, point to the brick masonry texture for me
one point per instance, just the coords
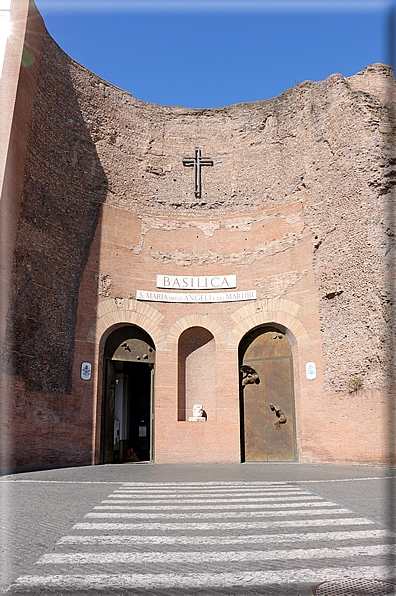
(64, 185)
(297, 205)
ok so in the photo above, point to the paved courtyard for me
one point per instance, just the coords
(197, 529)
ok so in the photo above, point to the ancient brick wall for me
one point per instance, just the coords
(17, 93)
(64, 186)
(319, 151)
(296, 205)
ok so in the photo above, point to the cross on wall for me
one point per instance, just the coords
(197, 161)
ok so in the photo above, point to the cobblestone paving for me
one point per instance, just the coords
(209, 538)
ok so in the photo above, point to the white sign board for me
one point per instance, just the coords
(195, 298)
(310, 370)
(208, 282)
(86, 370)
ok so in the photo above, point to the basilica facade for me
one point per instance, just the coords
(193, 285)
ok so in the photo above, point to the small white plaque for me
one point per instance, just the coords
(142, 431)
(86, 370)
(310, 370)
(195, 298)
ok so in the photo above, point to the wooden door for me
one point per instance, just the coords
(267, 397)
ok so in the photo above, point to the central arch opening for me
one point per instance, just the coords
(127, 398)
(197, 372)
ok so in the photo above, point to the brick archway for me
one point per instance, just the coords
(196, 321)
(266, 311)
(277, 312)
(115, 311)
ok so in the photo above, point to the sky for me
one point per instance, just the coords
(211, 53)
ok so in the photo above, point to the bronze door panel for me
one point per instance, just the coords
(255, 416)
(279, 392)
(268, 435)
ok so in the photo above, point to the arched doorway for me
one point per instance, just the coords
(127, 399)
(267, 396)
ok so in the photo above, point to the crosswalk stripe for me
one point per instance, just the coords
(213, 492)
(263, 507)
(223, 540)
(219, 514)
(240, 501)
(193, 526)
(209, 485)
(196, 557)
(199, 580)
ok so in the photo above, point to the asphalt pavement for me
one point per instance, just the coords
(197, 529)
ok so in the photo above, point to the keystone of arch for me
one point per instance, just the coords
(125, 310)
(263, 318)
(196, 321)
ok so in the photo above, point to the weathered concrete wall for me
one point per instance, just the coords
(296, 205)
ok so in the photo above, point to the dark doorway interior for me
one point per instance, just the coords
(127, 403)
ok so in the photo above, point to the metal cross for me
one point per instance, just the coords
(197, 161)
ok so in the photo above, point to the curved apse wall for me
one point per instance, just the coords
(107, 204)
(91, 143)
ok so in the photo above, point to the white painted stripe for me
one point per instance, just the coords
(211, 483)
(348, 521)
(121, 499)
(198, 558)
(249, 482)
(204, 491)
(235, 507)
(222, 540)
(220, 514)
(206, 498)
(214, 485)
(209, 487)
(199, 580)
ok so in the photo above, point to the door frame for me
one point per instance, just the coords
(103, 392)
(270, 326)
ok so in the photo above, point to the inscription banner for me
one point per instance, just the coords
(205, 282)
(195, 298)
